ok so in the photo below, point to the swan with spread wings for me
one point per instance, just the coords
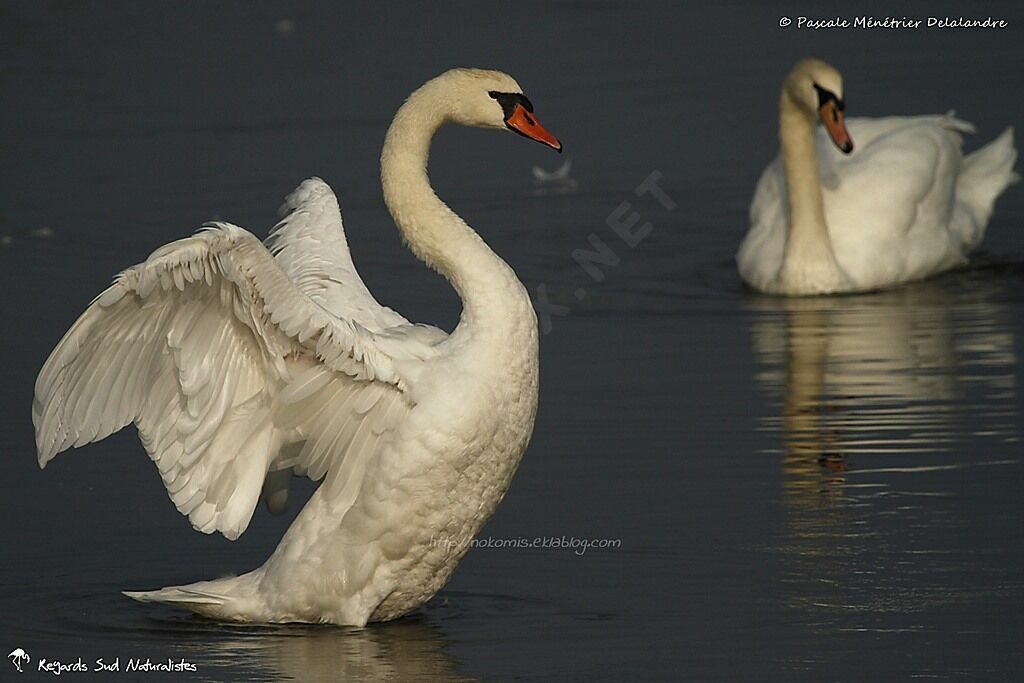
(243, 363)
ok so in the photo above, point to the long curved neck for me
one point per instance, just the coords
(435, 233)
(808, 251)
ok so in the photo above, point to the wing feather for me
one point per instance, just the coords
(310, 245)
(220, 359)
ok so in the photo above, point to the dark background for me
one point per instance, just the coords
(746, 550)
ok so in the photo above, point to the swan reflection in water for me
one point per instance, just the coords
(882, 402)
(409, 649)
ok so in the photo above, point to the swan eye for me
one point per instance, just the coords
(825, 96)
(509, 101)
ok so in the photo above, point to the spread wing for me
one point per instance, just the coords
(221, 359)
(310, 246)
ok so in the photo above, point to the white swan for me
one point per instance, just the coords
(905, 206)
(242, 363)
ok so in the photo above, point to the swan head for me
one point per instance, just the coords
(817, 88)
(492, 99)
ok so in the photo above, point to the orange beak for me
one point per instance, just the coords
(832, 116)
(526, 124)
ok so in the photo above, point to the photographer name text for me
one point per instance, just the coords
(872, 22)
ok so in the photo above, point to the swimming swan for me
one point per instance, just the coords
(906, 205)
(243, 362)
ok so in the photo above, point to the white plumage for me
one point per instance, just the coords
(905, 205)
(242, 363)
(199, 346)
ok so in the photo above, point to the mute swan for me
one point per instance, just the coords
(241, 363)
(906, 205)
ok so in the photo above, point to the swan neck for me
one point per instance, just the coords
(809, 263)
(803, 182)
(432, 231)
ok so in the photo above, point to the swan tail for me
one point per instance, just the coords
(994, 162)
(178, 596)
(218, 599)
(986, 173)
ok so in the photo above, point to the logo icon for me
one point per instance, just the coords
(19, 657)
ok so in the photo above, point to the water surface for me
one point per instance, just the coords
(824, 488)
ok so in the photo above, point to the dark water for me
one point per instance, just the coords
(797, 489)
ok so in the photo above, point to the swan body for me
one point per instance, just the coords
(244, 362)
(904, 206)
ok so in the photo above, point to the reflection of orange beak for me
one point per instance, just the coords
(832, 117)
(524, 123)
